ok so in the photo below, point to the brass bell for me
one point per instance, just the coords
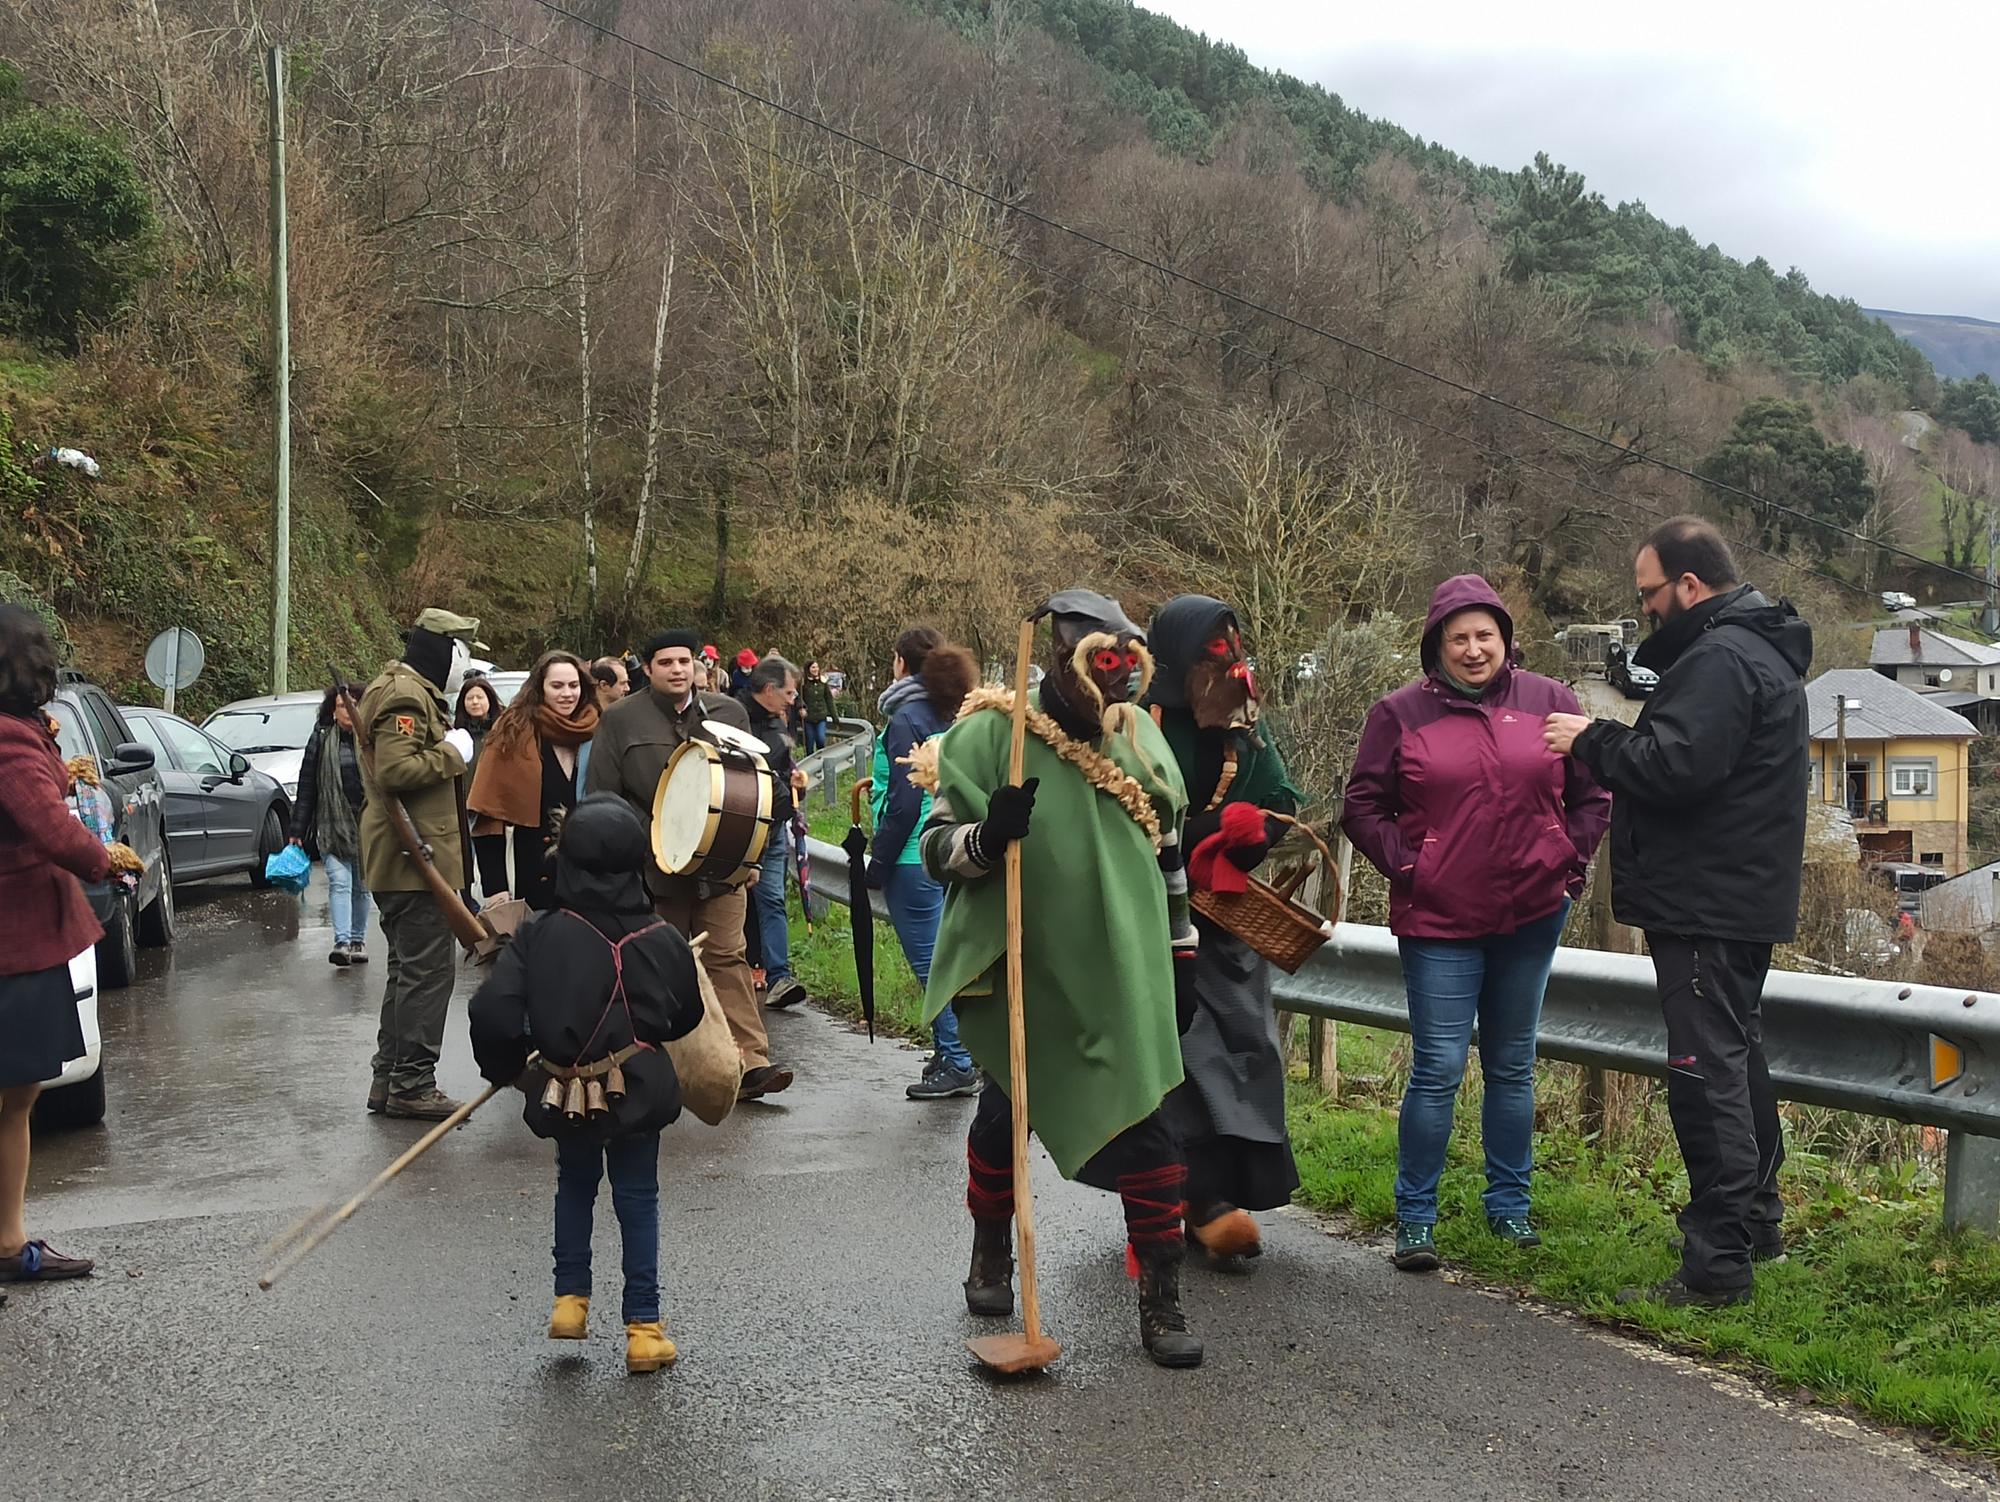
(573, 1105)
(552, 1094)
(614, 1084)
(593, 1094)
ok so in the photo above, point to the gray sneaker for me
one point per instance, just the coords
(941, 1082)
(421, 1105)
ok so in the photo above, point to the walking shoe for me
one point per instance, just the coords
(571, 1319)
(38, 1262)
(989, 1287)
(1677, 1295)
(766, 1079)
(941, 1082)
(378, 1097)
(1162, 1326)
(786, 991)
(420, 1105)
(647, 1348)
(1416, 1250)
(1514, 1230)
(357, 953)
(340, 956)
(1228, 1237)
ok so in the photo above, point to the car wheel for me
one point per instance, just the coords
(156, 924)
(78, 1105)
(118, 950)
(269, 843)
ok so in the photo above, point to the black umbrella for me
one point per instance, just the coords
(861, 911)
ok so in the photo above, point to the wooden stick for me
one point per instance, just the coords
(1017, 1034)
(410, 1155)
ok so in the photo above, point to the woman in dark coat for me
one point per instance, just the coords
(326, 822)
(1230, 1110)
(45, 921)
(598, 978)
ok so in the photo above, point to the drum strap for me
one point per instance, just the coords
(618, 996)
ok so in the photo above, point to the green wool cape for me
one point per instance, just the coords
(1098, 998)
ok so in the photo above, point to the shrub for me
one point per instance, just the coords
(75, 224)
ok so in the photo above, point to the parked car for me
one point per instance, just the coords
(75, 1097)
(223, 815)
(1895, 599)
(89, 724)
(271, 731)
(506, 684)
(1625, 675)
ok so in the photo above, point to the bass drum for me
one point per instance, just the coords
(712, 813)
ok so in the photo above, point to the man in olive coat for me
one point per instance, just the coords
(416, 758)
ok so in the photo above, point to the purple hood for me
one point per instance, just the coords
(1463, 592)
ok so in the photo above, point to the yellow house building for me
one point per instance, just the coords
(1906, 772)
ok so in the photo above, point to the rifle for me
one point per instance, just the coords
(472, 931)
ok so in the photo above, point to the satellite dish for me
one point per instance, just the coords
(174, 659)
(1944, 675)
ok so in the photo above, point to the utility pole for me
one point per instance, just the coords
(1837, 784)
(281, 389)
(1989, 619)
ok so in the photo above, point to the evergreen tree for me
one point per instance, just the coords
(1776, 455)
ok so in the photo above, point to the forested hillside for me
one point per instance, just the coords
(583, 342)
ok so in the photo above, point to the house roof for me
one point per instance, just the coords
(1888, 711)
(1891, 649)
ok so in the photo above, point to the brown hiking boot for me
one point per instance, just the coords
(1162, 1326)
(431, 1104)
(766, 1079)
(989, 1287)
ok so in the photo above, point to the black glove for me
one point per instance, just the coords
(1184, 992)
(1008, 812)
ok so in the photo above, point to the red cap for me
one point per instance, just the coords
(710, 653)
(746, 658)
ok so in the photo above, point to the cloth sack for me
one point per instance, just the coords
(710, 1068)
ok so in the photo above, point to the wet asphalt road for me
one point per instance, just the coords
(812, 1255)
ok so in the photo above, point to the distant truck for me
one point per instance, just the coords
(1587, 645)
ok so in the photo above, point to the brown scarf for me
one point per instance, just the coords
(507, 783)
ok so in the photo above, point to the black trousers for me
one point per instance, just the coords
(1144, 1147)
(1724, 1109)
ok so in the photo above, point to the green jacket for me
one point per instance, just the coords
(1103, 1045)
(407, 719)
(819, 700)
(636, 737)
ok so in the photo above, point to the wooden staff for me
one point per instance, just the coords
(410, 1155)
(1031, 1350)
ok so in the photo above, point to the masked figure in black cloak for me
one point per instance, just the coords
(1230, 1111)
(597, 984)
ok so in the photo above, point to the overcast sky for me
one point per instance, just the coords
(1868, 155)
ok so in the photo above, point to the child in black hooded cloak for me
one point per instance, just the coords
(597, 980)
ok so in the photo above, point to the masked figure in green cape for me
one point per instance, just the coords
(1107, 947)
(1230, 1111)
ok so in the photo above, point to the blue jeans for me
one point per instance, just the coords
(349, 900)
(916, 904)
(1498, 982)
(773, 933)
(815, 735)
(634, 1163)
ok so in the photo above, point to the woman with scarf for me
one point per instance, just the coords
(1230, 1110)
(932, 680)
(1484, 834)
(326, 822)
(530, 775)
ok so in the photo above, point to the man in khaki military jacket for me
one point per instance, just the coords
(635, 738)
(417, 758)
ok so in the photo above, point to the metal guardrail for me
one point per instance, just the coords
(1867, 1046)
(849, 743)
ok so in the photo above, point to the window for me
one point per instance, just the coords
(70, 736)
(1931, 858)
(104, 720)
(146, 735)
(1913, 777)
(194, 751)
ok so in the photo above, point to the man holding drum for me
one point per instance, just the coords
(635, 739)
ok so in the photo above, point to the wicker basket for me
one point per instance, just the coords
(1269, 919)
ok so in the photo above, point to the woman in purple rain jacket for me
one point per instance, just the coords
(1484, 835)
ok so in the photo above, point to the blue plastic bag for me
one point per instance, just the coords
(288, 869)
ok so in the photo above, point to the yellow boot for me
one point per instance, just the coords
(571, 1317)
(647, 1348)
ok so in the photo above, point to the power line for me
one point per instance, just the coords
(1331, 388)
(1136, 258)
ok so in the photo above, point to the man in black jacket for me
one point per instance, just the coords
(1707, 847)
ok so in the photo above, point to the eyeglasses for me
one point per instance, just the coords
(1647, 592)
